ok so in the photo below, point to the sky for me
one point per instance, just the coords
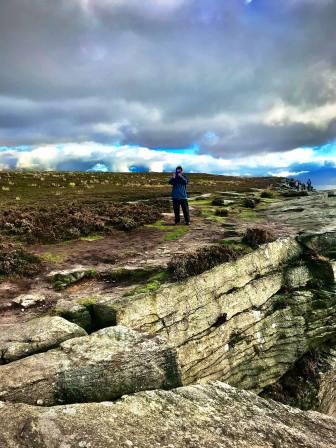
(243, 87)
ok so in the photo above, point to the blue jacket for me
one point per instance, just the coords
(179, 184)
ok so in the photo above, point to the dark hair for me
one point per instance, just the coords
(179, 168)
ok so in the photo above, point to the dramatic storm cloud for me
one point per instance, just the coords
(236, 79)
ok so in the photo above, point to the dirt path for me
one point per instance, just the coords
(148, 246)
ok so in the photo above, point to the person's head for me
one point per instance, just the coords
(179, 169)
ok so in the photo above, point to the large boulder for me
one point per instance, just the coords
(213, 415)
(245, 322)
(257, 346)
(205, 316)
(34, 336)
(197, 297)
(103, 366)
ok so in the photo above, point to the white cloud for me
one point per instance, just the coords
(93, 156)
(287, 173)
(150, 7)
(282, 114)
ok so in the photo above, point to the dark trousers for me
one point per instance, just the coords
(185, 208)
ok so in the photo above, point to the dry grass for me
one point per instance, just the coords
(14, 260)
(194, 263)
(256, 236)
(74, 220)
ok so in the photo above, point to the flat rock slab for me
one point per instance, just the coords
(202, 416)
(29, 300)
(103, 366)
(34, 336)
(314, 213)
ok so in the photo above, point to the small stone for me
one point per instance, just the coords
(29, 300)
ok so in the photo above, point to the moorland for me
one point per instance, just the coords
(112, 318)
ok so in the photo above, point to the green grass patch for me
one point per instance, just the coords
(210, 213)
(172, 233)
(160, 277)
(265, 202)
(153, 284)
(92, 238)
(201, 202)
(246, 214)
(159, 225)
(49, 257)
(237, 246)
(208, 210)
(88, 301)
(177, 233)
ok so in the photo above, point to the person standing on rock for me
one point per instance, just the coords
(179, 195)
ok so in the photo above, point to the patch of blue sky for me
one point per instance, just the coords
(21, 148)
(191, 150)
(99, 168)
(328, 149)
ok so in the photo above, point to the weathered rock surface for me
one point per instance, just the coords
(313, 213)
(103, 366)
(179, 300)
(74, 312)
(34, 336)
(255, 348)
(213, 415)
(244, 322)
(327, 393)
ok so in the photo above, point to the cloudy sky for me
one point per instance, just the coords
(225, 86)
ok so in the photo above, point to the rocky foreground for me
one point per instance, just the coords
(156, 367)
(213, 415)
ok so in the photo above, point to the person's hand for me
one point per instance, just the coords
(174, 174)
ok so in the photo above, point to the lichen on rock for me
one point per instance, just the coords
(212, 415)
(103, 366)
